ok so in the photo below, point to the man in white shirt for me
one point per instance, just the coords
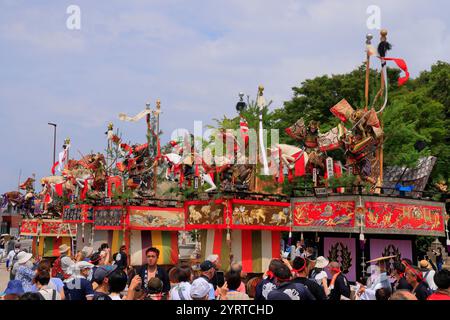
(42, 279)
(428, 274)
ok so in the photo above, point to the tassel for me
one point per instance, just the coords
(228, 235)
(448, 245)
(362, 241)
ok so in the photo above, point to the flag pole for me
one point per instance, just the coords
(366, 92)
(155, 167)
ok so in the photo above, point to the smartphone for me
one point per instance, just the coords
(220, 278)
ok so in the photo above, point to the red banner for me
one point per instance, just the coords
(259, 215)
(29, 227)
(47, 228)
(204, 214)
(389, 217)
(331, 216)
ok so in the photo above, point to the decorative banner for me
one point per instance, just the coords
(50, 228)
(332, 216)
(165, 241)
(342, 250)
(404, 218)
(56, 228)
(29, 227)
(78, 214)
(154, 218)
(385, 247)
(108, 218)
(205, 214)
(255, 249)
(251, 214)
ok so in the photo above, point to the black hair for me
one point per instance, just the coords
(183, 273)
(274, 264)
(382, 294)
(95, 258)
(233, 280)
(117, 281)
(282, 272)
(103, 247)
(152, 249)
(42, 277)
(31, 296)
(442, 279)
(298, 263)
(155, 285)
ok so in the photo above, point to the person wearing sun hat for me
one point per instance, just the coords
(319, 275)
(24, 272)
(62, 265)
(428, 274)
(378, 278)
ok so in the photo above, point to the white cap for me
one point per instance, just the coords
(83, 265)
(200, 288)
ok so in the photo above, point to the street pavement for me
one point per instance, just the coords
(4, 277)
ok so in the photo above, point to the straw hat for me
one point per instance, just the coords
(23, 257)
(321, 262)
(425, 264)
(381, 259)
(63, 248)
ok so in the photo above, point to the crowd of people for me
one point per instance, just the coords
(99, 275)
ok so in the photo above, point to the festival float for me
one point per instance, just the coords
(348, 207)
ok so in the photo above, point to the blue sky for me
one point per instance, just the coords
(193, 55)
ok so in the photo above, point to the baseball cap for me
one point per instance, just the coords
(102, 272)
(206, 265)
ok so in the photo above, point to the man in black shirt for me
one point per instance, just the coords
(300, 272)
(339, 284)
(151, 270)
(100, 277)
(415, 279)
(267, 284)
(286, 289)
(399, 275)
(120, 258)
